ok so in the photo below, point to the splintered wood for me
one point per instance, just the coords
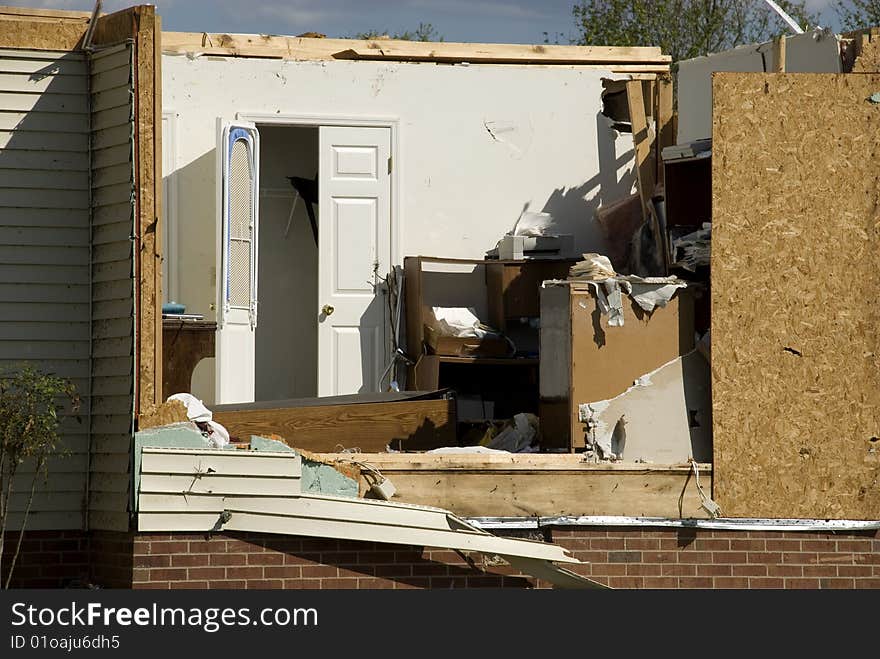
(795, 281)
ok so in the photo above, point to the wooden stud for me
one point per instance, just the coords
(638, 59)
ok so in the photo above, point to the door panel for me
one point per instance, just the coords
(354, 245)
(238, 150)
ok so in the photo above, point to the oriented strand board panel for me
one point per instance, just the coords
(795, 275)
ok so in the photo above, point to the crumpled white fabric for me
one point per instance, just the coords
(457, 321)
(197, 412)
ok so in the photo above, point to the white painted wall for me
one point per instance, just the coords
(816, 51)
(477, 145)
(287, 335)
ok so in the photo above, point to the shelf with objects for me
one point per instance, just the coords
(494, 368)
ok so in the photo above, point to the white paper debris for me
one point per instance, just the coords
(198, 413)
(519, 437)
(531, 223)
(457, 321)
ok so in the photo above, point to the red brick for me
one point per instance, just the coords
(376, 557)
(873, 582)
(765, 582)
(153, 585)
(835, 558)
(699, 557)
(265, 584)
(207, 546)
(242, 547)
(624, 556)
(659, 557)
(695, 582)
(302, 584)
(167, 574)
(140, 574)
(383, 584)
(282, 572)
(228, 559)
(731, 582)
(821, 570)
(334, 584)
(152, 561)
(711, 544)
(210, 573)
(802, 583)
(675, 569)
(252, 572)
(818, 545)
(189, 585)
(608, 569)
(169, 547)
(764, 557)
(229, 584)
(643, 569)
(799, 557)
(189, 560)
(738, 557)
(784, 545)
(785, 570)
(617, 544)
(484, 581)
(430, 569)
(837, 583)
(748, 545)
(626, 582)
(641, 543)
(854, 571)
(661, 582)
(393, 570)
(593, 556)
(714, 570)
(301, 559)
(854, 545)
(267, 558)
(749, 570)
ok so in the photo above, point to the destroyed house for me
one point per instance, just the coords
(341, 247)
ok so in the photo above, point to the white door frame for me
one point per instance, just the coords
(284, 119)
(318, 120)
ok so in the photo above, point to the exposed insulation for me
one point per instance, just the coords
(796, 401)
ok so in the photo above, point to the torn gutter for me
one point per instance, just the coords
(719, 524)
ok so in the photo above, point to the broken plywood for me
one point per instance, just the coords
(794, 279)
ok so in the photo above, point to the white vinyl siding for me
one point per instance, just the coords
(112, 300)
(44, 255)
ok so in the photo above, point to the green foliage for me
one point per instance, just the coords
(31, 405)
(424, 32)
(683, 28)
(855, 14)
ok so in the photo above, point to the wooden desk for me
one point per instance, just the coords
(184, 344)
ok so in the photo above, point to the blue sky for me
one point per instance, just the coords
(510, 21)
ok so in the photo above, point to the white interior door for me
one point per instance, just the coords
(354, 252)
(238, 152)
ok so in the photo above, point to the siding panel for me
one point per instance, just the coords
(112, 313)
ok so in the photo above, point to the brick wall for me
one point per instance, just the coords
(644, 558)
(621, 558)
(48, 559)
(263, 561)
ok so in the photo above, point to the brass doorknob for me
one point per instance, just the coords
(327, 310)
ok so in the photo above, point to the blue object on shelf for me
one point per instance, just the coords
(173, 308)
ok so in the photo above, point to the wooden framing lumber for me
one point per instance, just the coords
(635, 59)
(368, 426)
(543, 485)
(665, 126)
(143, 26)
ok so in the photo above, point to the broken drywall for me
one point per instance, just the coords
(665, 417)
(317, 477)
